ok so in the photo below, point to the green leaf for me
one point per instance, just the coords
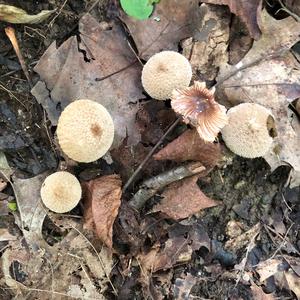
(139, 9)
(12, 206)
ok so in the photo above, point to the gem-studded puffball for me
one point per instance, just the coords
(164, 72)
(61, 192)
(85, 130)
(247, 133)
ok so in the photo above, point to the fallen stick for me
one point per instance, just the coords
(151, 186)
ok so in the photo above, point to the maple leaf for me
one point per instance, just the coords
(183, 198)
(102, 197)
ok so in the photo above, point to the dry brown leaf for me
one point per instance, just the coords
(273, 83)
(207, 49)
(12, 14)
(3, 184)
(178, 249)
(183, 198)
(183, 286)
(102, 199)
(259, 294)
(268, 268)
(168, 25)
(294, 282)
(247, 10)
(189, 146)
(104, 69)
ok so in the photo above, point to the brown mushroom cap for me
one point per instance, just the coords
(61, 192)
(247, 133)
(85, 130)
(164, 72)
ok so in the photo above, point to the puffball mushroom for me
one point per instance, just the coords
(247, 133)
(61, 192)
(85, 130)
(164, 72)
(197, 106)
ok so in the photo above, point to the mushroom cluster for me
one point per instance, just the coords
(85, 130)
(249, 130)
(61, 192)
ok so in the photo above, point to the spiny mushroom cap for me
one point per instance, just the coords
(164, 72)
(197, 106)
(247, 133)
(61, 192)
(85, 130)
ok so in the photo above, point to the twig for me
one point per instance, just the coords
(10, 32)
(142, 164)
(284, 8)
(151, 186)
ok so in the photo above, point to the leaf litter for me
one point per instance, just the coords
(159, 238)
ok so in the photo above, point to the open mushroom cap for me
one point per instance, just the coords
(61, 192)
(85, 130)
(164, 72)
(248, 133)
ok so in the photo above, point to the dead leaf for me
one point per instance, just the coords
(209, 50)
(169, 24)
(178, 249)
(182, 287)
(12, 14)
(273, 83)
(3, 184)
(6, 236)
(103, 199)
(259, 294)
(268, 268)
(32, 212)
(189, 146)
(183, 198)
(104, 69)
(248, 11)
(294, 282)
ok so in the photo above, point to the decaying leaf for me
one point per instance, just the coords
(178, 249)
(102, 202)
(12, 14)
(268, 268)
(31, 210)
(189, 146)
(259, 294)
(106, 71)
(169, 24)
(271, 82)
(183, 198)
(182, 286)
(293, 281)
(209, 50)
(248, 11)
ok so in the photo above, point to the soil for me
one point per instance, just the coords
(249, 191)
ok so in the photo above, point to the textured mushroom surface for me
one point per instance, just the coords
(85, 130)
(61, 192)
(247, 132)
(164, 72)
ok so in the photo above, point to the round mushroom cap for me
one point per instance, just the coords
(61, 192)
(85, 130)
(247, 133)
(164, 72)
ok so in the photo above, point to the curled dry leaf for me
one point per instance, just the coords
(98, 74)
(183, 198)
(189, 146)
(12, 14)
(160, 31)
(102, 198)
(248, 11)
